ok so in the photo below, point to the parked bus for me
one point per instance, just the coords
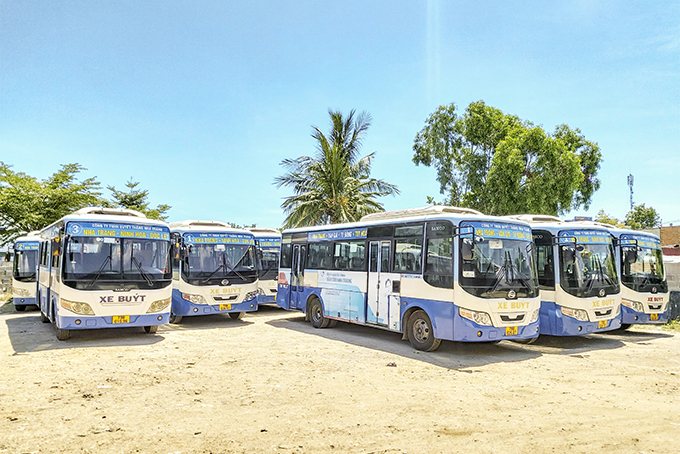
(24, 270)
(644, 294)
(434, 273)
(104, 268)
(580, 291)
(214, 270)
(268, 242)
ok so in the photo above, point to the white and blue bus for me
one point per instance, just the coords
(24, 270)
(434, 273)
(214, 270)
(580, 291)
(104, 268)
(644, 294)
(268, 242)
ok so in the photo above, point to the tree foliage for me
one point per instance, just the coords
(641, 217)
(136, 199)
(500, 164)
(605, 218)
(28, 204)
(334, 185)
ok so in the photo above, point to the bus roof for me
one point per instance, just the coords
(421, 211)
(554, 224)
(192, 225)
(262, 232)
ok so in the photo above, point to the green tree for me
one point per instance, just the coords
(607, 219)
(334, 185)
(500, 164)
(27, 203)
(641, 217)
(136, 199)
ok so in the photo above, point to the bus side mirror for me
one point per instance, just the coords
(631, 255)
(569, 254)
(466, 248)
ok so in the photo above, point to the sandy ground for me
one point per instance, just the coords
(272, 383)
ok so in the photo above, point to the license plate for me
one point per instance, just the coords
(602, 324)
(511, 331)
(274, 297)
(653, 316)
(225, 307)
(120, 319)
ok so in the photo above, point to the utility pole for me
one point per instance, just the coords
(630, 184)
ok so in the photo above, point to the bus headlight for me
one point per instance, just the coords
(636, 306)
(21, 291)
(534, 316)
(76, 307)
(250, 295)
(578, 314)
(196, 299)
(159, 305)
(480, 318)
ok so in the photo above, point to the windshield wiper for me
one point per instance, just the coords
(507, 270)
(146, 277)
(220, 266)
(107, 260)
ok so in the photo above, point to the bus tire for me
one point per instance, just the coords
(625, 326)
(20, 308)
(333, 322)
(236, 315)
(63, 334)
(175, 319)
(525, 341)
(421, 333)
(316, 317)
(151, 329)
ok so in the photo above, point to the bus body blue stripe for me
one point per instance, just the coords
(554, 323)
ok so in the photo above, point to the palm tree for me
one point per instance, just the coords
(335, 185)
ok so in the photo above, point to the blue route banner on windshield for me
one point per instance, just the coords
(330, 235)
(585, 237)
(115, 230)
(218, 238)
(26, 246)
(629, 239)
(496, 230)
(269, 242)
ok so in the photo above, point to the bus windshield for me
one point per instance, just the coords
(642, 268)
(210, 264)
(269, 264)
(587, 266)
(102, 263)
(25, 262)
(493, 267)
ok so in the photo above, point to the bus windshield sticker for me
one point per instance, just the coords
(215, 238)
(27, 246)
(331, 235)
(269, 242)
(499, 230)
(585, 237)
(111, 230)
(642, 241)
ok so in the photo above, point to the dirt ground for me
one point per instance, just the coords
(272, 383)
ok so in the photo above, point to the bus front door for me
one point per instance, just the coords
(379, 283)
(297, 276)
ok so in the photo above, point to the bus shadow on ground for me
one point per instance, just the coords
(28, 334)
(570, 345)
(199, 322)
(451, 355)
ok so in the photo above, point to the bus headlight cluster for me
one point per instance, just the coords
(259, 291)
(21, 291)
(578, 314)
(159, 305)
(636, 306)
(480, 318)
(534, 316)
(196, 299)
(250, 295)
(76, 307)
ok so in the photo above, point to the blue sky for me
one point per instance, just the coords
(199, 101)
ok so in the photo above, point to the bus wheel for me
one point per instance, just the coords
(525, 341)
(625, 326)
(174, 319)
(151, 329)
(20, 308)
(316, 314)
(236, 315)
(63, 334)
(420, 332)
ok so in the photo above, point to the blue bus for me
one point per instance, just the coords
(214, 270)
(24, 269)
(434, 273)
(268, 242)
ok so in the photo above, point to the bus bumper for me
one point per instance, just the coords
(23, 301)
(185, 308)
(266, 299)
(89, 322)
(554, 323)
(465, 330)
(632, 317)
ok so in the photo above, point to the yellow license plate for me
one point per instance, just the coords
(274, 297)
(225, 307)
(511, 331)
(120, 319)
(653, 316)
(602, 324)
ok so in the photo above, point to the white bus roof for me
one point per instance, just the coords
(421, 211)
(555, 224)
(30, 236)
(193, 225)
